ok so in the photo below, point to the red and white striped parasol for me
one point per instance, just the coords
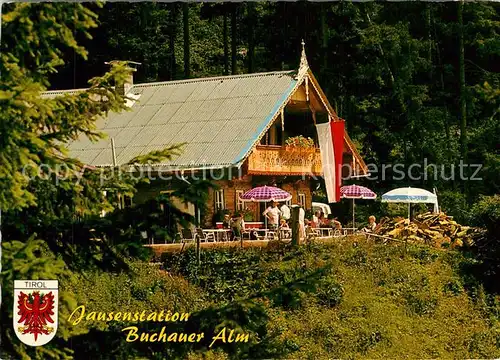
(356, 192)
(266, 194)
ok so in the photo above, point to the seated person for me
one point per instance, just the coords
(324, 222)
(371, 224)
(284, 226)
(315, 219)
(309, 228)
(320, 218)
(336, 224)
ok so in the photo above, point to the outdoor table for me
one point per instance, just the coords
(219, 234)
(349, 231)
(248, 225)
(268, 234)
(322, 231)
(262, 233)
(246, 234)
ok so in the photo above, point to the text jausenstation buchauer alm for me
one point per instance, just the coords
(224, 335)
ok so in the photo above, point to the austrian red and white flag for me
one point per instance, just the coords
(331, 144)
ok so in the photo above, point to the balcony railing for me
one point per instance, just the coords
(283, 160)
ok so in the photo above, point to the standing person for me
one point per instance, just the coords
(302, 221)
(273, 215)
(302, 225)
(237, 225)
(285, 212)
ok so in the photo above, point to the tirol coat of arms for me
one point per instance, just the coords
(35, 310)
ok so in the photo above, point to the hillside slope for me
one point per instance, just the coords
(351, 299)
(355, 300)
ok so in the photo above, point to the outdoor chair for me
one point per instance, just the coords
(317, 232)
(187, 235)
(254, 235)
(310, 233)
(271, 235)
(246, 234)
(204, 237)
(324, 232)
(339, 233)
(236, 238)
(286, 234)
(177, 238)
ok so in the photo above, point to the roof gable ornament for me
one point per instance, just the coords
(304, 65)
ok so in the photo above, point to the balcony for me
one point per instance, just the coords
(282, 160)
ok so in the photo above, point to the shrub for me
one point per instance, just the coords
(289, 299)
(367, 340)
(209, 355)
(421, 304)
(356, 257)
(423, 254)
(486, 213)
(339, 301)
(455, 204)
(453, 287)
(329, 292)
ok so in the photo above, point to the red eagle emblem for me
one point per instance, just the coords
(35, 311)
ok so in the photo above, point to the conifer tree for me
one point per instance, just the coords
(39, 182)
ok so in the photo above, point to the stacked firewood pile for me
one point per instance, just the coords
(431, 229)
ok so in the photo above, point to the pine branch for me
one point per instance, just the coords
(158, 156)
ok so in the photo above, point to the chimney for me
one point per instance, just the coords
(124, 88)
(127, 85)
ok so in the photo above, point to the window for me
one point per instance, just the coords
(302, 200)
(219, 199)
(239, 204)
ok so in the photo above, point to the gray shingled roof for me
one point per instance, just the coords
(219, 118)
